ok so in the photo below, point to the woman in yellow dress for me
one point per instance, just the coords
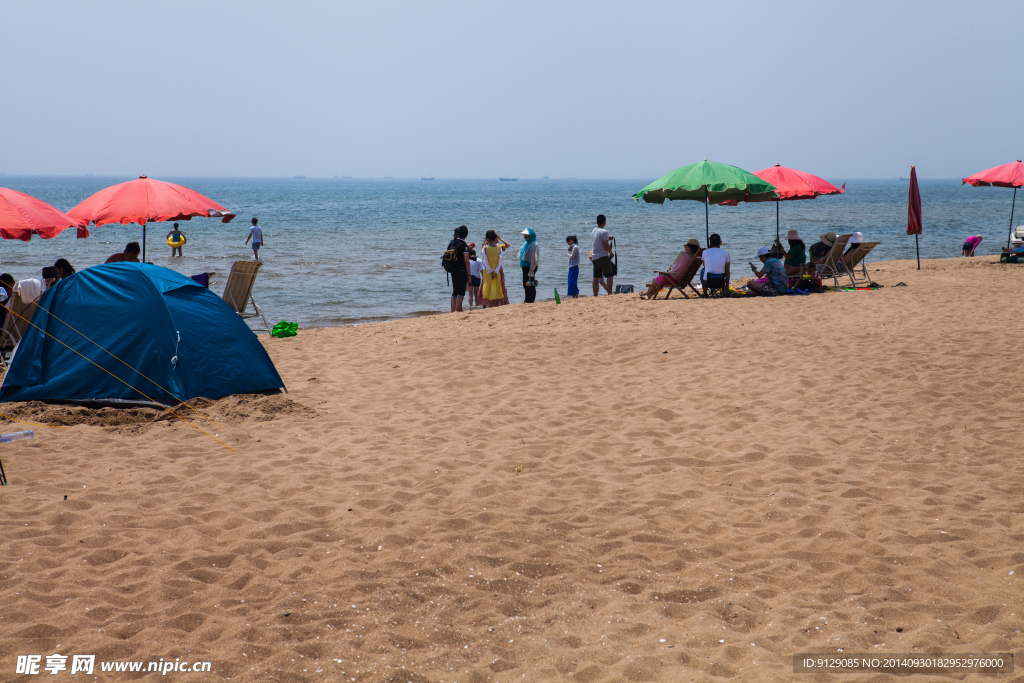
(493, 292)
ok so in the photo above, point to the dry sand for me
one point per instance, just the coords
(600, 491)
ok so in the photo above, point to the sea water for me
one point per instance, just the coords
(344, 251)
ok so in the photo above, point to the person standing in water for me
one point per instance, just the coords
(529, 261)
(256, 235)
(178, 237)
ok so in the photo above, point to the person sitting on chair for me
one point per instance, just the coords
(819, 251)
(716, 266)
(772, 278)
(130, 253)
(796, 257)
(677, 268)
(856, 239)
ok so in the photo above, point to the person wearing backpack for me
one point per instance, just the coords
(456, 263)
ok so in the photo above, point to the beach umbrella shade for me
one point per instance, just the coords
(709, 182)
(1007, 175)
(793, 184)
(146, 201)
(914, 226)
(22, 215)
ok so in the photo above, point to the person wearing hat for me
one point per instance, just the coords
(771, 279)
(819, 250)
(677, 268)
(529, 260)
(796, 255)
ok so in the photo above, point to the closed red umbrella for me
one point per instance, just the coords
(794, 184)
(1007, 175)
(914, 226)
(147, 201)
(22, 215)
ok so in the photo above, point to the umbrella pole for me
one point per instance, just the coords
(777, 238)
(918, 245)
(707, 223)
(143, 242)
(1010, 234)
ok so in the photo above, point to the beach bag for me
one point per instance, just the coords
(285, 329)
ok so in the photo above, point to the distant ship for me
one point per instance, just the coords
(508, 180)
(424, 178)
(389, 177)
(545, 178)
(902, 178)
(345, 176)
(89, 175)
(300, 177)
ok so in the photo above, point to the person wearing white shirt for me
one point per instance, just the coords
(476, 272)
(256, 235)
(601, 256)
(716, 265)
(574, 266)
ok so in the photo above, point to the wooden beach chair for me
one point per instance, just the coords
(684, 279)
(238, 290)
(17, 316)
(857, 258)
(832, 265)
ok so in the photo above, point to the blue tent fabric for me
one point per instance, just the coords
(178, 340)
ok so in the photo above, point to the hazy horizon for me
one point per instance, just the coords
(463, 91)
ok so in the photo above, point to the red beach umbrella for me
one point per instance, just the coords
(22, 216)
(794, 184)
(146, 201)
(914, 226)
(1007, 175)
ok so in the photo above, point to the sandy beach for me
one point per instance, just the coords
(602, 490)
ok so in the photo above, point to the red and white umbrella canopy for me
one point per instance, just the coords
(147, 201)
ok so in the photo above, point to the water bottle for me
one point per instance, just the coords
(14, 436)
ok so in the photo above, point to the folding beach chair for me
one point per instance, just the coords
(18, 313)
(683, 280)
(857, 258)
(832, 265)
(238, 290)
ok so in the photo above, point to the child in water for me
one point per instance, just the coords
(177, 236)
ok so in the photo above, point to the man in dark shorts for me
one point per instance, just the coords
(460, 274)
(601, 256)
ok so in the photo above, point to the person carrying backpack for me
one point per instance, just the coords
(456, 263)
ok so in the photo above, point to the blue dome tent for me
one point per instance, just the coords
(155, 334)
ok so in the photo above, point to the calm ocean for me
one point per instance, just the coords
(343, 251)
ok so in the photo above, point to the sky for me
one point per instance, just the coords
(476, 90)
